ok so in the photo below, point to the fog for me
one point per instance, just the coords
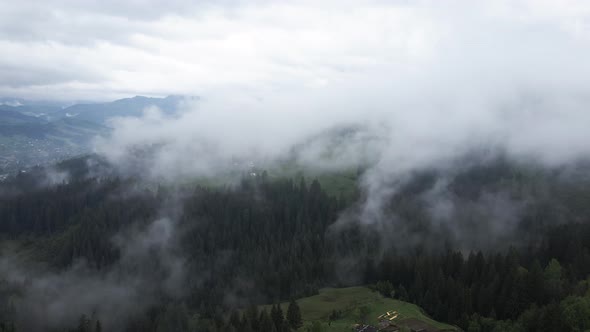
(394, 88)
(434, 84)
(150, 268)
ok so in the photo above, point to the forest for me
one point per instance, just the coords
(206, 256)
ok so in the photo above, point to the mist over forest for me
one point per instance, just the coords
(294, 166)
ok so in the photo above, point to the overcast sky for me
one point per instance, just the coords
(90, 49)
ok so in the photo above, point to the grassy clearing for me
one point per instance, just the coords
(342, 183)
(348, 301)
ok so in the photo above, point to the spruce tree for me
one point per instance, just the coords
(84, 324)
(234, 319)
(294, 315)
(266, 323)
(276, 314)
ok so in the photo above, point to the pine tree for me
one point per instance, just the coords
(252, 317)
(294, 315)
(277, 316)
(285, 327)
(234, 319)
(245, 324)
(402, 293)
(266, 323)
(83, 324)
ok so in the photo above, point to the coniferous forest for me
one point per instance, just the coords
(201, 258)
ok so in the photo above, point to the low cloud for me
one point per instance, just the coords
(444, 84)
(150, 268)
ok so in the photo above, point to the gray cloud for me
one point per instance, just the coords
(100, 50)
(149, 268)
(418, 87)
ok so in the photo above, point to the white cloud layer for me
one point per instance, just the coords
(430, 79)
(105, 49)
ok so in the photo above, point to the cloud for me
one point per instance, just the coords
(417, 84)
(88, 49)
(149, 269)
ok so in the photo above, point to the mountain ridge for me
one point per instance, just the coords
(36, 132)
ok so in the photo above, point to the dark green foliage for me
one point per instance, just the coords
(335, 315)
(7, 327)
(294, 315)
(269, 240)
(385, 288)
(277, 316)
(363, 314)
(576, 313)
(266, 323)
(316, 326)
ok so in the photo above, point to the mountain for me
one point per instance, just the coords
(38, 108)
(16, 102)
(101, 112)
(38, 132)
(32, 110)
(10, 116)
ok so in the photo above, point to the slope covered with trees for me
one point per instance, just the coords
(267, 241)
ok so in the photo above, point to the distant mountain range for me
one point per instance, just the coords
(36, 132)
(95, 112)
(100, 113)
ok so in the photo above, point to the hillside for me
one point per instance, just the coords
(347, 302)
(193, 254)
(101, 112)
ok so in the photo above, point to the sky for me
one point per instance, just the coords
(101, 50)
